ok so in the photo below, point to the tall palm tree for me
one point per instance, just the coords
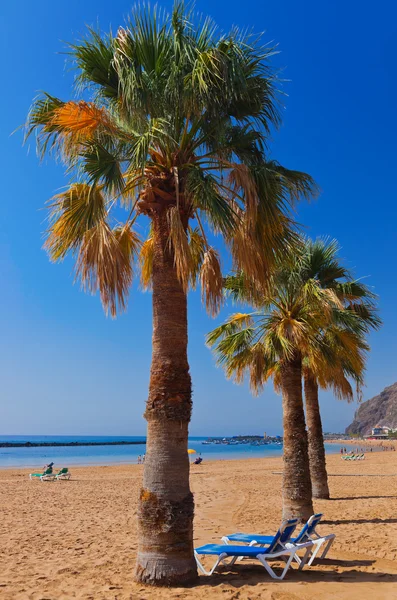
(172, 126)
(343, 346)
(272, 342)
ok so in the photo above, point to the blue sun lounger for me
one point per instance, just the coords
(307, 533)
(275, 549)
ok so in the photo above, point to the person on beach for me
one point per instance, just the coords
(139, 460)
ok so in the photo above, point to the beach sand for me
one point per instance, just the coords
(77, 539)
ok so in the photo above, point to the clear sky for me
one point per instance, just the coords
(64, 367)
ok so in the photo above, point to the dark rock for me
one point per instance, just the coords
(380, 410)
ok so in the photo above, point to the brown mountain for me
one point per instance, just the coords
(380, 410)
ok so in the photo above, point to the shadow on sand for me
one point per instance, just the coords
(361, 497)
(254, 575)
(358, 521)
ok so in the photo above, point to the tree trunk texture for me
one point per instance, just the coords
(166, 507)
(318, 470)
(297, 489)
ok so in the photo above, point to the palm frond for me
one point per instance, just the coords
(102, 166)
(94, 59)
(179, 245)
(146, 262)
(234, 324)
(211, 282)
(72, 214)
(197, 245)
(80, 120)
(104, 264)
(204, 194)
(39, 119)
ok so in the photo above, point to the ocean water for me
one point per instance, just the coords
(110, 455)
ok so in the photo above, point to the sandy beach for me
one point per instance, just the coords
(77, 539)
(361, 443)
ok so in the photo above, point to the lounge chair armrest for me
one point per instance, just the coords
(289, 548)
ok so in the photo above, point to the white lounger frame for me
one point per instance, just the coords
(43, 477)
(263, 558)
(318, 542)
(63, 476)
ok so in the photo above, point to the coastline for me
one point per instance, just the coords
(35, 458)
(361, 443)
(78, 538)
(66, 444)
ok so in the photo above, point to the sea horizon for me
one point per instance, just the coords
(101, 455)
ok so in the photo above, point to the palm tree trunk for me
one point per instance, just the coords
(166, 507)
(318, 470)
(297, 489)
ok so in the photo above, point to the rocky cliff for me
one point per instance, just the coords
(380, 410)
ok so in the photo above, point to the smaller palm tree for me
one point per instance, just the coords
(272, 342)
(314, 311)
(340, 357)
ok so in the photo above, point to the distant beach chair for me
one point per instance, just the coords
(225, 551)
(350, 457)
(355, 457)
(63, 474)
(308, 533)
(48, 475)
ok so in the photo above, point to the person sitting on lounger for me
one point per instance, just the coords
(198, 461)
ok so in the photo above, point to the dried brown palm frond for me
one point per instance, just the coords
(256, 247)
(334, 377)
(104, 264)
(72, 214)
(197, 245)
(179, 245)
(129, 241)
(258, 368)
(248, 255)
(146, 262)
(240, 179)
(211, 282)
(293, 330)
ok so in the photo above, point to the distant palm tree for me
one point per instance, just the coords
(176, 131)
(272, 343)
(315, 311)
(341, 355)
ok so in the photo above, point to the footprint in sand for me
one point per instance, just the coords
(284, 596)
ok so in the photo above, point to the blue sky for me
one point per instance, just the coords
(65, 368)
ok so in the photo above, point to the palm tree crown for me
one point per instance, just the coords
(312, 307)
(174, 119)
(342, 344)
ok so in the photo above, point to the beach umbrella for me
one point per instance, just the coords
(191, 451)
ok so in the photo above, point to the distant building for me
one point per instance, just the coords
(380, 432)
